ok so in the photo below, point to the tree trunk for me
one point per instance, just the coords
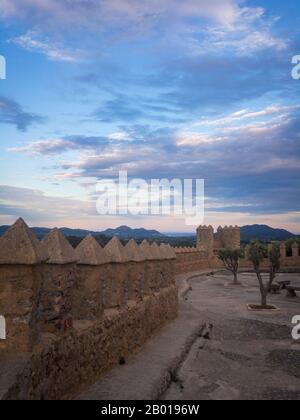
(263, 290)
(264, 301)
(235, 281)
(272, 277)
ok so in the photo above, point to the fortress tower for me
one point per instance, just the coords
(228, 237)
(205, 238)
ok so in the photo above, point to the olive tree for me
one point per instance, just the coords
(256, 253)
(274, 257)
(231, 260)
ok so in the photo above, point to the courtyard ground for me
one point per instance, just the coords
(250, 355)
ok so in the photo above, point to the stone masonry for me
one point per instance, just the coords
(78, 312)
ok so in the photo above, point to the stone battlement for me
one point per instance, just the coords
(225, 237)
(76, 313)
(46, 286)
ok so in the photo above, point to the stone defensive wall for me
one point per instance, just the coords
(74, 314)
(290, 262)
(191, 259)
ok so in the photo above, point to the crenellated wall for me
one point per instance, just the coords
(225, 237)
(191, 259)
(78, 312)
(195, 259)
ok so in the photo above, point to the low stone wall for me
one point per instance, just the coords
(287, 264)
(195, 259)
(92, 348)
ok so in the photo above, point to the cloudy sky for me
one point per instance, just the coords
(160, 88)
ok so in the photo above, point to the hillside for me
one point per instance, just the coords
(126, 232)
(264, 233)
(123, 232)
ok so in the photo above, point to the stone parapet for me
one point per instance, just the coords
(46, 287)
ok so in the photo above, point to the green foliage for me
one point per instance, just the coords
(274, 256)
(256, 253)
(230, 255)
(289, 243)
(231, 258)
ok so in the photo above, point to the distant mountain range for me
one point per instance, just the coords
(264, 233)
(126, 232)
(41, 232)
(123, 232)
(261, 232)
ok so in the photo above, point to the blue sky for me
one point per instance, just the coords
(167, 88)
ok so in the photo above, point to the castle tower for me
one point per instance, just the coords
(205, 238)
(234, 237)
(229, 237)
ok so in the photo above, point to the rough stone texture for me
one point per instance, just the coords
(157, 255)
(88, 292)
(169, 273)
(134, 281)
(116, 251)
(55, 304)
(89, 252)
(172, 253)
(205, 238)
(19, 246)
(147, 251)
(91, 349)
(192, 260)
(59, 249)
(164, 251)
(227, 237)
(134, 252)
(19, 285)
(115, 282)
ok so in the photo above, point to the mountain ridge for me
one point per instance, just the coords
(248, 233)
(265, 233)
(123, 232)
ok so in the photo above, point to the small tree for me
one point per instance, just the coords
(274, 256)
(231, 259)
(256, 253)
